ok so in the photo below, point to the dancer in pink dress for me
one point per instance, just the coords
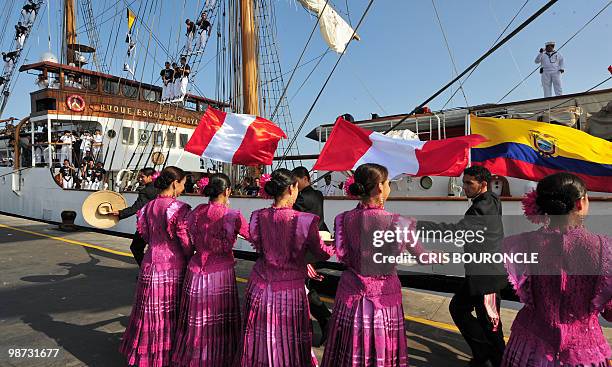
(209, 323)
(367, 323)
(276, 330)
(148, 339)
(567, 290)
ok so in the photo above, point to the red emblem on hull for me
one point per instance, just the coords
(75, 103)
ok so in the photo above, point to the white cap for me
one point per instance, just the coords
(549, 43)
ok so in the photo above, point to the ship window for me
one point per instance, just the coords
(45, 104)
(128, 135)
(129, 91)
(202, 106)
(90, 82)
(183, 138)
(170, 140)
(158, 138)
(150, 95)
(143, 137)
(72, 81)
(191, 104)
(111, 87)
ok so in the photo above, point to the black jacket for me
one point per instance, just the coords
(146, 194)
(310, 200)
(485, 215)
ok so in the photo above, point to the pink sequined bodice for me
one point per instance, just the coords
(564, 293)
(354, 238)
(286, 241)
(211, 230)
(157, 224)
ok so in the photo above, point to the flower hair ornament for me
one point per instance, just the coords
(155, 175)
(349, 181)
(263, 180)
(201, 184)
(531, 209)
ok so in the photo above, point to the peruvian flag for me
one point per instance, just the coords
(235, 138)
(349, 146)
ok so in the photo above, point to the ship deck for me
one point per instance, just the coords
(74, 291)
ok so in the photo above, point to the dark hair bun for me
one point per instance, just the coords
(217, 184)
(357, 189)
(367, 177)
(555, 203)
(557, 194)
(167, 176)
(163, 182)
(273, 188)
(280, 180)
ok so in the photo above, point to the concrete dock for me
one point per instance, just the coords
(73, 292)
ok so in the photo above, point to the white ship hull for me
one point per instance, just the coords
(33, 194)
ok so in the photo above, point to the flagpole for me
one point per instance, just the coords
(468, 129)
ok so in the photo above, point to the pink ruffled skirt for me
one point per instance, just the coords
(148, 339)
(523, 350)
(277, 330)
(362, 334)
(209, 323)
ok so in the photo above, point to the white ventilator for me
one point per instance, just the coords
(335, 31)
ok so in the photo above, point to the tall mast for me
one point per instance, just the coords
(250, 103)
(69, 30)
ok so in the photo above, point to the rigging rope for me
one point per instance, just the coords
(565, 43)
(478, 61)
(300, 59)
(314, 103)
(494, 42)
(450, 53)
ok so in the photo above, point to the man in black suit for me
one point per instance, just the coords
(480, 290)
(146, 194)
(310, 200)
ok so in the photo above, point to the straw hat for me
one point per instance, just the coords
(98, 204)
(326, 236)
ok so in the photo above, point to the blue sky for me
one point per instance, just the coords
(400, 60)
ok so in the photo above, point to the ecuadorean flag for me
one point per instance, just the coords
(532, 150)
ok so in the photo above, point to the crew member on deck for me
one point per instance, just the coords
(182, 80)
(167, 76)
(97, 141)
(328, 189)
(191, 29)
(66, 142)
(99, 177)
(89, 176)
(29, 11)
(146, 194)
(204, 28)
(20, 35)
(551, 68)
(67, 173)
(9, 62)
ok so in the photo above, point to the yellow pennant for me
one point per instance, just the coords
(131, 19)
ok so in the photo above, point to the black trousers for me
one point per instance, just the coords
(485, 343)
(317, 308)
(138, 247)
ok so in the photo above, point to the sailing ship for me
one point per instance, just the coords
(138, 130)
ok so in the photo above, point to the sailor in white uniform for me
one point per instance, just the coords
(551, 68)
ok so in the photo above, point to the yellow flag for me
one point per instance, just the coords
(131, 19)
